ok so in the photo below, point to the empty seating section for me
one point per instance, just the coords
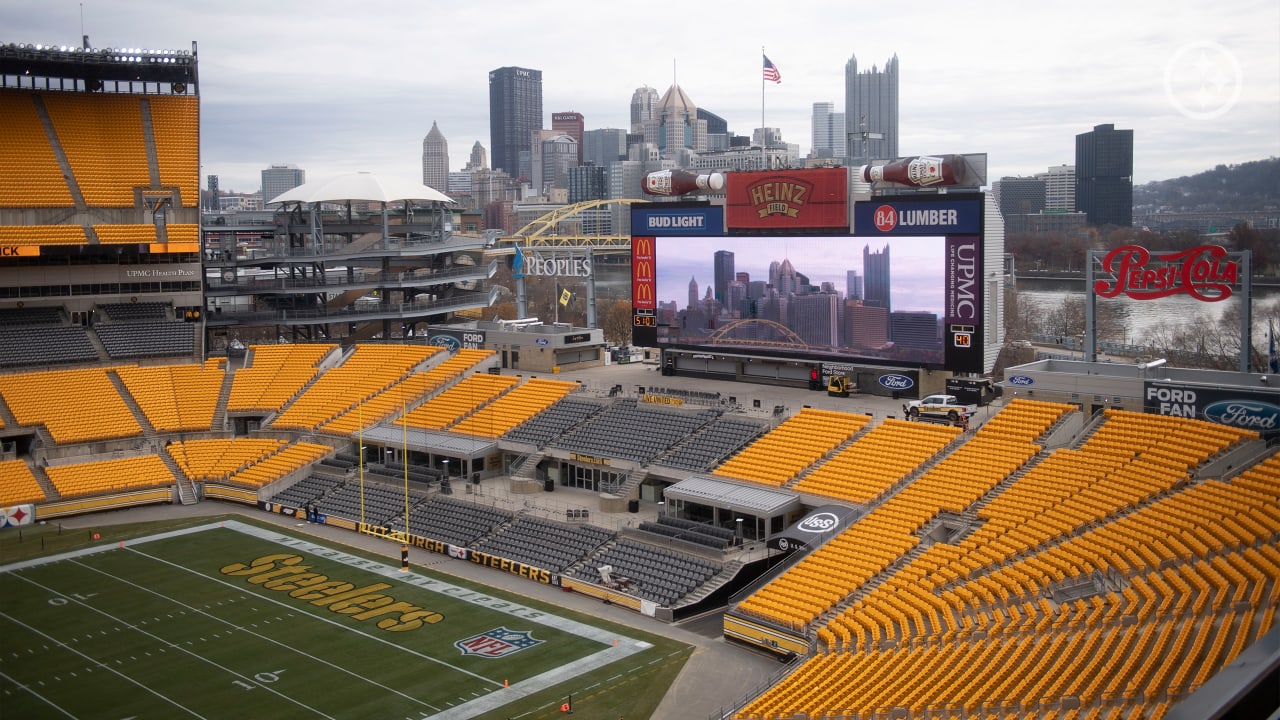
(147, 339)
(875, 461)
(108, 476)
(218, 459)
(368, 370)
(175, 398)
(406, 392)
(125, 234)
(828, 574)
(455, 521)
(633, 431)
(179, 233)
(276, 374)
(18, 485)
(651, 573)
(102, 139)
(689, 531)
(543, 543)
(274, 467)
(175, 123)
(514, 407)
(29, 171)
(554, 422)
(792, 446)
(306, 490)
(29, 345)
(1102, 582)
(11, 317)
(74, 405)
(132, 312)
(42, 235)
(458, 401)
(707, 448)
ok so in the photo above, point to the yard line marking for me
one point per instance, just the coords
(325, 620)
(106, 614)
(273, 641)
(54, 640)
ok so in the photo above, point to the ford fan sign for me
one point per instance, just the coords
(893, 381)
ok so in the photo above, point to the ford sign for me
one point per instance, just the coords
(819, 523)
(1248, 414)
(448, 342)
(893, 381)
(1021, 380)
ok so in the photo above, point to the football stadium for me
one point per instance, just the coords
(352, 527)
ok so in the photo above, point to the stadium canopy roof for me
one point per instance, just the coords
(360, 186)
(761, 502)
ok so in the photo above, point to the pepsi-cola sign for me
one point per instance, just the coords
(894, 381)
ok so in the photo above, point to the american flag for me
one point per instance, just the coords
(771, 71)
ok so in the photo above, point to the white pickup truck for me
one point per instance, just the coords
(940, 406)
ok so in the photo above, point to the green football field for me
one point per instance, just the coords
(231, 620)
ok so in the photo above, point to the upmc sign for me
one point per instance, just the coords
(932, 217)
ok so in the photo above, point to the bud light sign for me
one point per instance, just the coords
(647, 220)
(893, 381)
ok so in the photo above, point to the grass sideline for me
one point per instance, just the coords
(629, 688)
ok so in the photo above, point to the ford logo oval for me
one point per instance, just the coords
(1248, 414)
(819, 523)
(896, 382)
(447, 342)
(1021, 380)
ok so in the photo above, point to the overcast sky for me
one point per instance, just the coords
(335, 86)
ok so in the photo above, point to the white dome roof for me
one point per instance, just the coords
(363, 186)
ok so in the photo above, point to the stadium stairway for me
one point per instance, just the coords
(220, 410)
(45, 483)
(147, 428)
(98, 347)
(186, 489)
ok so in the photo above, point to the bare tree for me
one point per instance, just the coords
(617, 323)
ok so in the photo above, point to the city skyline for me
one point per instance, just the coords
(917, 279)
(1199, 85)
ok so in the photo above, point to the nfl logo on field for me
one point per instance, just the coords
(496, 643)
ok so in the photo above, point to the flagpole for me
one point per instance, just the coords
(764, 136)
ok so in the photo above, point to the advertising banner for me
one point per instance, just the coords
(677, 219)
(456, 339)
(812, 199)
(1247, 410)
(953, 216)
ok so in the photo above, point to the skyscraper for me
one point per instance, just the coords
(571, 124)
(515, 111)
(644, 107)
(723, 264)
(694, 300)
(871, 111)
(604, 146)
(679, 128)
(1059, 188)
(875, 278)
(1104, 175)
(829, 140)
(479, 159)
(279, 179)
(1020, 195)
(435, 159)
(853, 285)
